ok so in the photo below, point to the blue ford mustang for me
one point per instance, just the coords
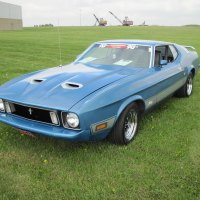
(102, 93)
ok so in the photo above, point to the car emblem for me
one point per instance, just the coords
(30, 111)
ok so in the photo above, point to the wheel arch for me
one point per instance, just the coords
(137, 99)
(193, 71)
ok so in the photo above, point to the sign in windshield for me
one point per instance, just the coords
(131, 55)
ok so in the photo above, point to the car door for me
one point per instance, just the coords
(169, 73)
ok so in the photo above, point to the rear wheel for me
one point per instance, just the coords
(187, 88)
(126, 126)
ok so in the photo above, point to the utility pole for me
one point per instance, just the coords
(80, 17)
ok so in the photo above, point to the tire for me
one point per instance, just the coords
(187, 89)
(126, 126)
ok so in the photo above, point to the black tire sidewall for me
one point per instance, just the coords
(121, 122)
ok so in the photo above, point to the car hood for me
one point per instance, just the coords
(50, 88)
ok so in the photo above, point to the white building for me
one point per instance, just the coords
(10, 16)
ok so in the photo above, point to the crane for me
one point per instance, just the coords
(116, 17)
(125, 22)
(100, 21)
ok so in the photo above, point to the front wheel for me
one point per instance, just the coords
(187, 88)
(126, 126)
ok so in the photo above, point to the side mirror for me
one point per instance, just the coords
(163, 62)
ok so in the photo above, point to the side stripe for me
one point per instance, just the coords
(163, 94)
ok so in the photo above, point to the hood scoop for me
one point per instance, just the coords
(72, 86)
(37, 81)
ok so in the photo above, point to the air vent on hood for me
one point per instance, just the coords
(68, 85)
(37, 81)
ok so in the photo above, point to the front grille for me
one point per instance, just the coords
(32, 113)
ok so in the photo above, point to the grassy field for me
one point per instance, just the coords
(162, 163)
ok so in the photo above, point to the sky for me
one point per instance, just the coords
(80, 12)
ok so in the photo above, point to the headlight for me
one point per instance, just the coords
(2, 108)
(70, 120)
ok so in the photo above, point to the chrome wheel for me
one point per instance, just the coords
(130, 124)
(189, 86)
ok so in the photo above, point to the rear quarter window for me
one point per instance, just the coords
(173, 52)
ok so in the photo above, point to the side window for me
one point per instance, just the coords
(172, 53)
(160, 54)
(165, 52)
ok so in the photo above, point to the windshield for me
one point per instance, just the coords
(118, 54)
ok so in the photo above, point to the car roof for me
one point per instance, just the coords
(142, 42)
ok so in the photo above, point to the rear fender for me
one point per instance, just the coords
(191, 69)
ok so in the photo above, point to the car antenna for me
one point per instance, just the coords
(59, 44)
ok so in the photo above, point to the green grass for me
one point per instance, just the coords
(162, 163)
